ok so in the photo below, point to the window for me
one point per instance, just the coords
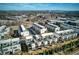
(5, 49)
(7, 52)
(17, 50)
(0, 46)
(14, 47)
(5, 44)
(16, 42)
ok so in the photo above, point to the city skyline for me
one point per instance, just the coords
(40, 6)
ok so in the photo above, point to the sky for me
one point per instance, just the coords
(40, 6)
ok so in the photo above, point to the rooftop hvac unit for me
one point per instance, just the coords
(33, 46)
(37, 36)
(55, 39)
(50, 41)
(39, 44)
(45, 43)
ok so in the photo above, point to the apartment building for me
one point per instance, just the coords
(16, 47)
(67, 34)
(52, 27)
(10, 46)
(26, 43)
(22, 31)
(39, 28)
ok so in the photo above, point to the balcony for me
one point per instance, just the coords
(6, 45)
(15, 42)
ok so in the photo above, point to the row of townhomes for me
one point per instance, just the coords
(37, 36)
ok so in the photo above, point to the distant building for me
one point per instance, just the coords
(4, 30)
(7, 30)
